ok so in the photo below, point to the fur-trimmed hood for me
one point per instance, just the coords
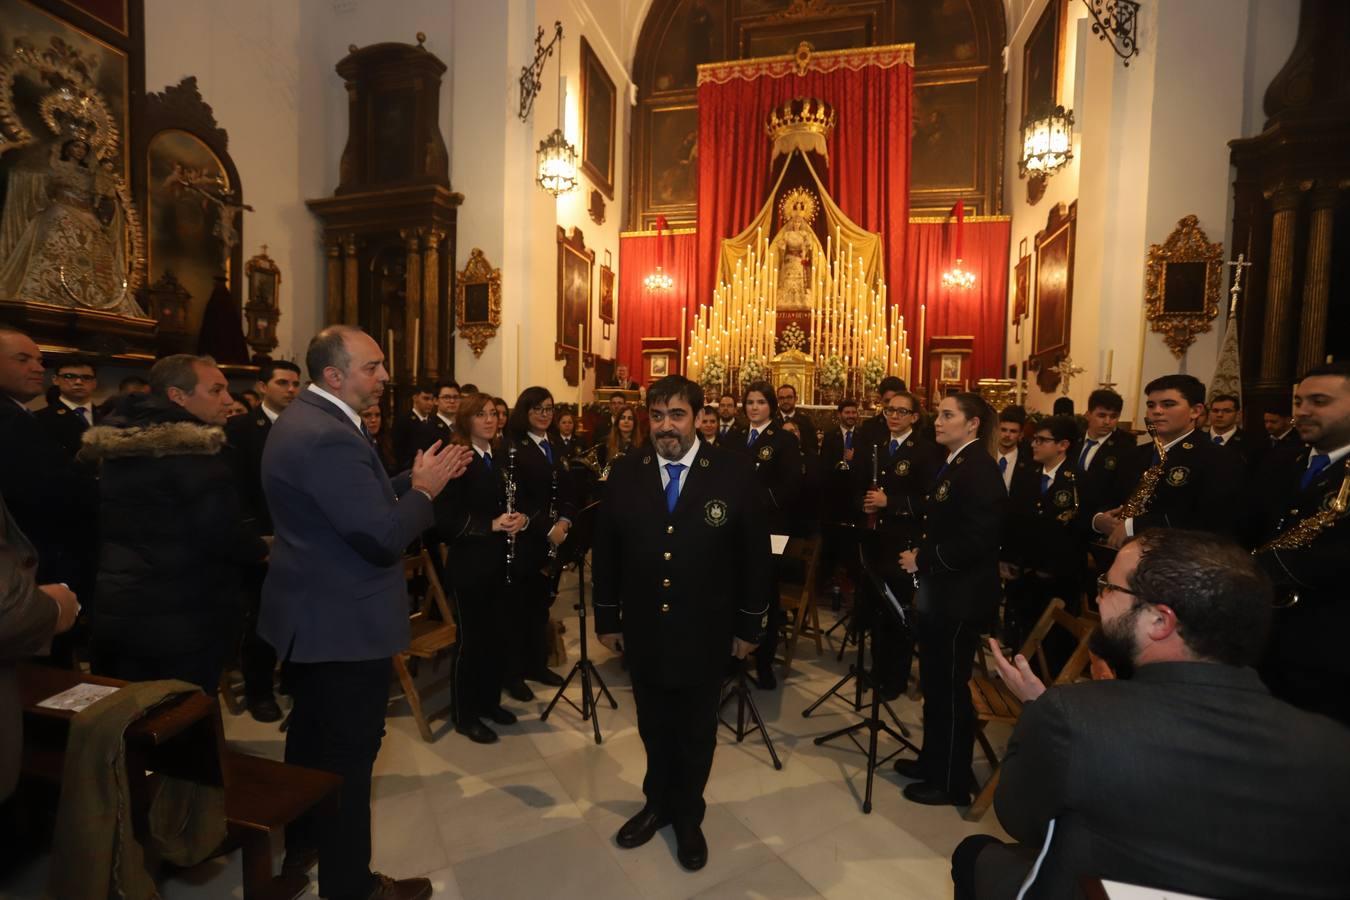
(104, 442)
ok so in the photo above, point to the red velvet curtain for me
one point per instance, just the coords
(868, 148)
(930, 250)
(643, 313)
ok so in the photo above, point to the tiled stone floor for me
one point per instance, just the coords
(534, 815)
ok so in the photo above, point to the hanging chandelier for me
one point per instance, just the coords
(957, 278)
(557, 157)
(659, 281)
(1047, 143)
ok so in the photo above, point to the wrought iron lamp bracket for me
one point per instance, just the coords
(1116, 22)
(530, 83)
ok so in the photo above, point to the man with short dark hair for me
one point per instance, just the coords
(1194, 484)
(1134, 779)
(682, 561)
(1280, 427)
(1098, 456)
(407, 428)
(726, 415)
(787, 412)
(73, 412)
(875, 429)
(838, 450)
(1304, 546)
(278, 384)
(1012, 453)
(1224, 431)
(440, 425)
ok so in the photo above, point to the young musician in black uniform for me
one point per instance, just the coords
(777, 459)
(70, 414)
(407, 428)
(572, 443)
(1224, 431)
(906, 466)
(706, 426)
(838, 509)
(472, 520)
(539, 467)
(875, 429)
(1098, 457)
(1012, 452)
(1306, 663)
(440, 425)
(1044, 542)
(1197, 485)
(681, 558)
(957, 565)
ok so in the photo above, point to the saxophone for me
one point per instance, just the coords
(510, 487)
(1142, 495)
(1303, 532)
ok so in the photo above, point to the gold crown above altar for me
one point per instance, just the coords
(801, 114)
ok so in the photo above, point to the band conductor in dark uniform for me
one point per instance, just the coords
(681, 556)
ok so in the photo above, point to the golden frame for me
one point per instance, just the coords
(478, 331)
(1192, 305)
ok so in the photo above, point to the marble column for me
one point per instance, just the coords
(1312, 334)
(1275, 352)
(412, 308)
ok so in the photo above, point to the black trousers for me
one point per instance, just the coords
(678, 727)
(337, 724)
(946, 658)
(530, 602)
(984, 867)
(202, 668)
(257, 659)
(484, 624)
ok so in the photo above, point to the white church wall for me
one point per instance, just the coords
(247, 57)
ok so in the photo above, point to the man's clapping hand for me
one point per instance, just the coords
(68, 607)
(436, 465)
(1017, 675)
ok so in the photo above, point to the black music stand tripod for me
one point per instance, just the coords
(738, 685)
(866, 680)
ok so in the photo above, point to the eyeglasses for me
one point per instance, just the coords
(71, 376)
(896, 411)
(1041, 439)
(542, 410)
(1104, 586)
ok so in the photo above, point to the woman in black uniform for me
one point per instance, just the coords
(544, 493)
(624, 437)
(471, 518)
(778, 469)
(957, 566)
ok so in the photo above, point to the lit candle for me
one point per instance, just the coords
(417, 347)
(390, 360)
(1110, 358)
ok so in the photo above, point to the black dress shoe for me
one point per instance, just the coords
(690, 847)
(386, 888)
(910, 768)
(764, 678)
(546, 677)
(476, 731)
(264, 709)
(930, 794)
(519, 691)
(640, 829)
(503, 716)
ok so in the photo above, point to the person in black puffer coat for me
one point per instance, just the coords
(173, 535)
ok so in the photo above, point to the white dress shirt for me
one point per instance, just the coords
(340, 404)
(1011, 457)
(267, 411)
(1225, 437)
(87, 407)
(687, 461)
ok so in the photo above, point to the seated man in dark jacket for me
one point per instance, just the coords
(174, 538)
(1187, 776)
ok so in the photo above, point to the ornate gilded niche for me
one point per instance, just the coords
(478, 301)
(1182, 285)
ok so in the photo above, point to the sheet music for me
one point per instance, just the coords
(79, 697)
(1115, 890)
(778, 543)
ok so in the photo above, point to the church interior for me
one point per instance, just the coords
(978, 197)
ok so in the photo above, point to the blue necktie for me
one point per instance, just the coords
(848, 440)
(1315, 465)
(723, 432)
(895, 447)
(487, 461)
(754, 434)
(673, 485)
(1045, 484)
(365, 432)
(1218, 440)
(82, 413)
(1003, 465)
(548, 451)
(1087, 448)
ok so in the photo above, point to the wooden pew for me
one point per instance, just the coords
(183, 738)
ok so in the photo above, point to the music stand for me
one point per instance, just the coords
(738, 685)
(867, 680)
(574, 554)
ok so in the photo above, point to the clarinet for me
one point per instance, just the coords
(552, 517)
(510, 486)
(876, 483)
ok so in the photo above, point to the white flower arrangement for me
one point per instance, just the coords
(712, 373)
(792, 338)
(755, 368)
(831, 374)
(872, 372)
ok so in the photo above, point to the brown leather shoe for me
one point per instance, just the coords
(387, 888)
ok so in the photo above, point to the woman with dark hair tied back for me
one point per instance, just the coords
(543, 493)
(956, 564)
(471, 518)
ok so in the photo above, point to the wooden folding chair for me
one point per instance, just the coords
(799, 601)
(431, 637)
(994, 702)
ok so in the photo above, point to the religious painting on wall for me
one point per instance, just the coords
(1054, 285)
(574, 291)
(942, 31)
(782, 38)
(695, 36)
(607, 293)
(672, 179)
(1040, 63)
(598, 105)
(70, 234)
(944, 151)
(1022, 288)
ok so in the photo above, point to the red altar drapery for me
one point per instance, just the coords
(868, 148)
(643, 313)
(981, 311)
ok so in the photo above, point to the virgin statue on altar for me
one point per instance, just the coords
(64, 234)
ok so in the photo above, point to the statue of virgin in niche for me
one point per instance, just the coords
(794, 246)
(64, 234)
